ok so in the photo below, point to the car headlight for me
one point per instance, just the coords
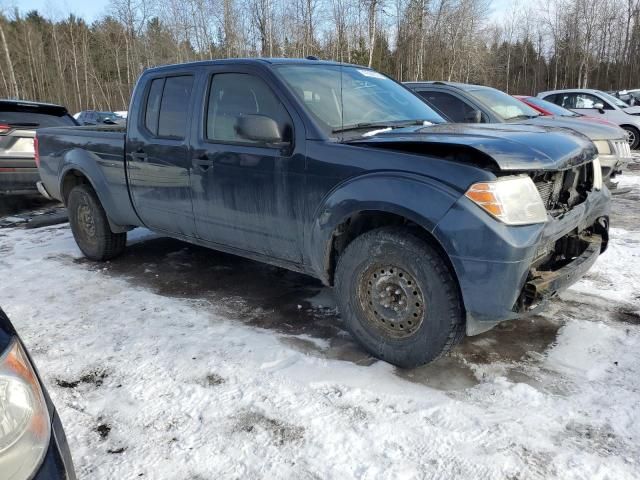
(513, 200)
(604, 148)
(25, 426)
(597, 174)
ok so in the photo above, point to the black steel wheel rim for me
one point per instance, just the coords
(392, 300)
(85, 221)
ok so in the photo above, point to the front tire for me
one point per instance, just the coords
(398, 297)
(633, 137)
(90, 225)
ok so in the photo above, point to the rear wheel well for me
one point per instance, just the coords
(367, 220)
(70, 180)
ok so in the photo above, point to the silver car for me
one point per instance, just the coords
(19, 121)
(597, 103)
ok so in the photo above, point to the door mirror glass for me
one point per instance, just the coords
(474, 116)
(258, 128)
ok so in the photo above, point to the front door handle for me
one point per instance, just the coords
(139, 155)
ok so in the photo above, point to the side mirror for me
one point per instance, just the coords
(474, 116)
(108, 121)
(599, 106)
(259, 128)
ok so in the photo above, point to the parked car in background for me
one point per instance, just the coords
(600, 104)
(466, 103)
(33, 445)
(610, 165)
(121, 113)
(426, 229)
(630, 97)
(551, 109)
(19, 121)
(93, 117)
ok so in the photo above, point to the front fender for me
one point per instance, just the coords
(419, 199)
(107, 179)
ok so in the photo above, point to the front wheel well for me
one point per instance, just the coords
(71, 179)
(365, 221)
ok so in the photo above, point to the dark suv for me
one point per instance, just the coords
(18, 122)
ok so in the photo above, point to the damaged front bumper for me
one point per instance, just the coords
(544, 284)
(508, 272)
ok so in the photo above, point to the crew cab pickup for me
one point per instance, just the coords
(427, 230)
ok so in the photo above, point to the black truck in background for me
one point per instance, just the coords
(426, 230)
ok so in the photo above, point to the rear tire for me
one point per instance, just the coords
(398, 297)
(90, 225)
(633, 136)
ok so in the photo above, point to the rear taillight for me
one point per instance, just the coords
(36, 151)
(4, 129)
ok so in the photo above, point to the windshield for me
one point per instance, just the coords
(611, 99)
(503, 105)
(364, 97)
(554, 109)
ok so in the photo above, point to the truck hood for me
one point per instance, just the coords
(632, 110)
(592, 129)
(507, 147)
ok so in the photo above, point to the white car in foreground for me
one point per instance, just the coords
(597, 103)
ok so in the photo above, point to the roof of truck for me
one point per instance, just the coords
(257, 61)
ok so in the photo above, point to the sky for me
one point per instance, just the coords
(91, 10)
(88, 9)
(500, 9)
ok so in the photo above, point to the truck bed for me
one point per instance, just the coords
(65, 149)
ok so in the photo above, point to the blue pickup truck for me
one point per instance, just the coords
(427, 230)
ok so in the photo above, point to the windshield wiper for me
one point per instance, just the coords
(366, 125)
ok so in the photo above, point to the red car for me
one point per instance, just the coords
(551, 109)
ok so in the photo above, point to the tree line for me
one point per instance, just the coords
(525, 49)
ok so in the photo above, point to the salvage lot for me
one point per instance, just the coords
(177, 362)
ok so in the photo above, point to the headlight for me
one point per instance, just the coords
(512, 200)
(604, 148)
(597, 174)
(24, 420)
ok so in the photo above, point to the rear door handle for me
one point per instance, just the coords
(203, 162)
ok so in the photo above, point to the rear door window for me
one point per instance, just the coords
(153, 105)
(451, 106)
(172, 121)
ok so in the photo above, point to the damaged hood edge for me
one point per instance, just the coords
(511, 147)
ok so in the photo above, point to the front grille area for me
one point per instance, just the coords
(546, 189)
(621, 148)
(562, 190)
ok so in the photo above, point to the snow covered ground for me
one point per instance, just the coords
(174, 362)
